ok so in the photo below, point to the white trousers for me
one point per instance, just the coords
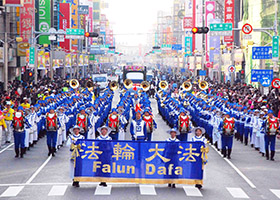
(9, 132)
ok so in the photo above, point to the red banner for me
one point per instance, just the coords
(64, 23)
(26, 19)
(229, 17)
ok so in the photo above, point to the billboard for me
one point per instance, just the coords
(44, 20)
(26, 20)
(229, 17)
(64, 23)
(74, 18)
(13, 3)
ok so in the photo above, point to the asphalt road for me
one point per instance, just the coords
(246, 176)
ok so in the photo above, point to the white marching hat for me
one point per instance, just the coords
(173, 130)
(196, 128)
(106, 127)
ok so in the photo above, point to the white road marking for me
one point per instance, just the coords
(236, 169)
(12, 191)
(7, 147)
(38, 170)
(237, 193)
(192, 191)
(66, 183)
(276, 192)
(100, 190)
(58, 190)
(147, 190)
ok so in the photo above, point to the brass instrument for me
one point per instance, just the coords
(114, 85)
(187, 86)
(163, 85)
(203, 85)
(128, 83)
(89, 85)
(74, 83)
(145, 86)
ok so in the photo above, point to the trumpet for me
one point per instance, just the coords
(74, 83)
(163, 85)
(114, 85)
(89, 85)
(187, 86)
(128, 83)
(203, 85)
(145, 86)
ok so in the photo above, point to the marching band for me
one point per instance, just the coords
(192, 116)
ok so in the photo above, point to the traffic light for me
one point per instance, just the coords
(200, 30)
(242, 74)
(91, 34)
(30, 74)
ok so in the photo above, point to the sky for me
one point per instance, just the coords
(128, 17)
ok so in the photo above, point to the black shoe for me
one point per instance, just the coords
(77, 184)
(229, 153)
(169, 184)
(8, 142)
(198, 186)
(252, 145)
(173, 186)
(21, 152)
(267, 154)
(53, 150)
(262, 154)
(272, 155)
(17, 153)
(50, 150)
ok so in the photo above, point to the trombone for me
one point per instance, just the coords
(187, 86)
(203, 85)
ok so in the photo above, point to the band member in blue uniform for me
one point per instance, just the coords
(52, 126)
(113, 123)
(271, 130)
(19, 124)
(227, 128)
(138, 128)
(199, 135)
(150, 124)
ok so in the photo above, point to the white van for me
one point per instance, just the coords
(101, 79)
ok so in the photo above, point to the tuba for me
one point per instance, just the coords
(187, 86)
(163, 85)
(145, 86)
(89, 85)
(74, 83)
(203, 85)
(128, 83)
(114, 85)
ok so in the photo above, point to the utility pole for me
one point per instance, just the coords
(6, 57)
(203, 36)
(275, 34)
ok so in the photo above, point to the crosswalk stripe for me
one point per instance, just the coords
(147, 190)
(12, 191)
(237, 193)
(276, 192)
(58, 190)
(100, 190)
(192, 191)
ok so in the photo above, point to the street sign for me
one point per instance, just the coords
(92, 57)
(176, 47)
(221, 29)
(260, 75)
(276, 83)
(265, 81)
(104, 47)
(32, 56)
(247, 28)
(202, 72)
(275, 47)
(188, 46)
(52, 37)
(231, 68)
(166, 46)
(247, 37)
(75, 33)
(262, 52)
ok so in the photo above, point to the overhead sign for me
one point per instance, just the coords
(188, 22)
(83, 10)
(262, 52)
(261, 75)
(275, 47)
(231, 68)
(166, 46)
(276, 83)
(202, 72)
(247, 28)
(75, 33)
(176, 47)
(221, 29)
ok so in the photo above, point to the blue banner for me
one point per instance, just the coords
(188, 46)
(139, 162)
